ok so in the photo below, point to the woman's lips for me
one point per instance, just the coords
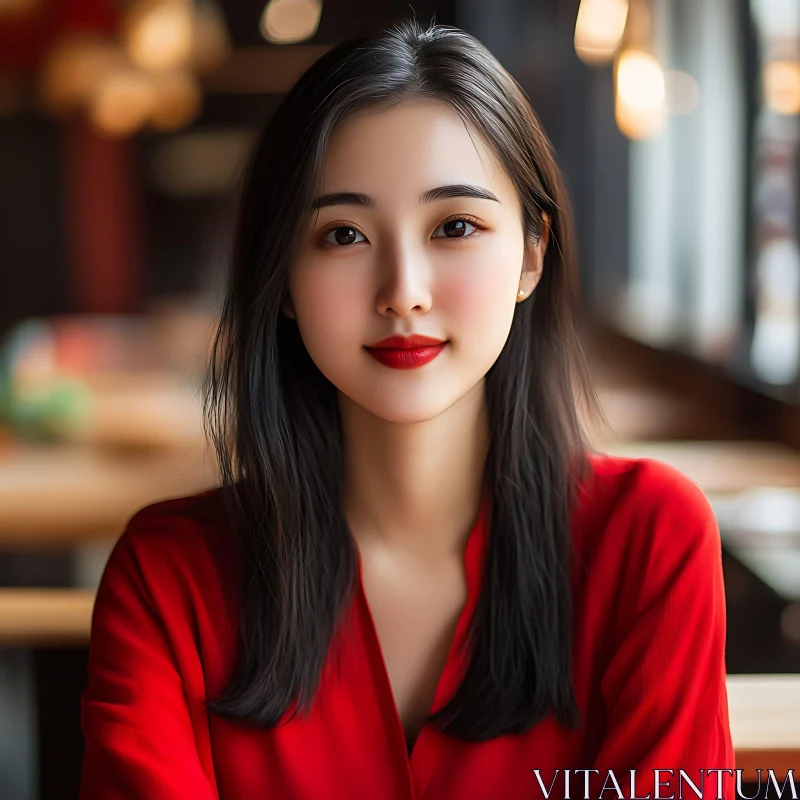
(405, 358)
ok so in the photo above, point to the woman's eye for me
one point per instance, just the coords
(343, 235)
(456, 228)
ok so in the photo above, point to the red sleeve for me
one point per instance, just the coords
(664, 686)
(138, 731)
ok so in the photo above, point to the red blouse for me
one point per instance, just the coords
(648, 670)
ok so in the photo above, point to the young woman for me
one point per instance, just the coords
(417, 579)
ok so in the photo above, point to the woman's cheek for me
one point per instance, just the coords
(483, 292)
(329, 308)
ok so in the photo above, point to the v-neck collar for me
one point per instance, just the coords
(420, 764)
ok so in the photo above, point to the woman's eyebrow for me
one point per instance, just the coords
(431, 196)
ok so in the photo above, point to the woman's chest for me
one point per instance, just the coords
(397, 652)
(414, 614)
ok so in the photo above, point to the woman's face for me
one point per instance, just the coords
(403, 266)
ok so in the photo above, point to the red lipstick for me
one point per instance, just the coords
(406, 352)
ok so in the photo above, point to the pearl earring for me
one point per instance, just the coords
(521, 292)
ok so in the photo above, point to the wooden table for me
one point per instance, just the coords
(765, 724)
(722, 467)
(45, 617)
(61, 495)
(642, 413)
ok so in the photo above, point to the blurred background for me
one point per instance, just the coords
(123, 127)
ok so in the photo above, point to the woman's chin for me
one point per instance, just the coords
(412, 411)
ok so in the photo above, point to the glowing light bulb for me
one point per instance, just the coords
(290, 21)
(158, 33)
(640, 94)
(782, 86)
(122, 103)
(599, 29)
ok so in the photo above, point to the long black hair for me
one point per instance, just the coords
(274, 421)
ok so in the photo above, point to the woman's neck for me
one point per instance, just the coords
(415, 487)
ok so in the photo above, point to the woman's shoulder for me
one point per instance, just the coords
(193, 525)
(641, 482)
(179, 546)
(203, 511)
(168, 599)
(645, 507)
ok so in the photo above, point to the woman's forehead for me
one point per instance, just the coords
(411, 147)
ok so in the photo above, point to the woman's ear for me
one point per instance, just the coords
(286, 305)
(533, 262)
(544, 239)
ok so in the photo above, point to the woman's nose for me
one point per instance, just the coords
(405, 281)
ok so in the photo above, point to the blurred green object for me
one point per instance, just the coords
(36, 401)
(57, 409)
